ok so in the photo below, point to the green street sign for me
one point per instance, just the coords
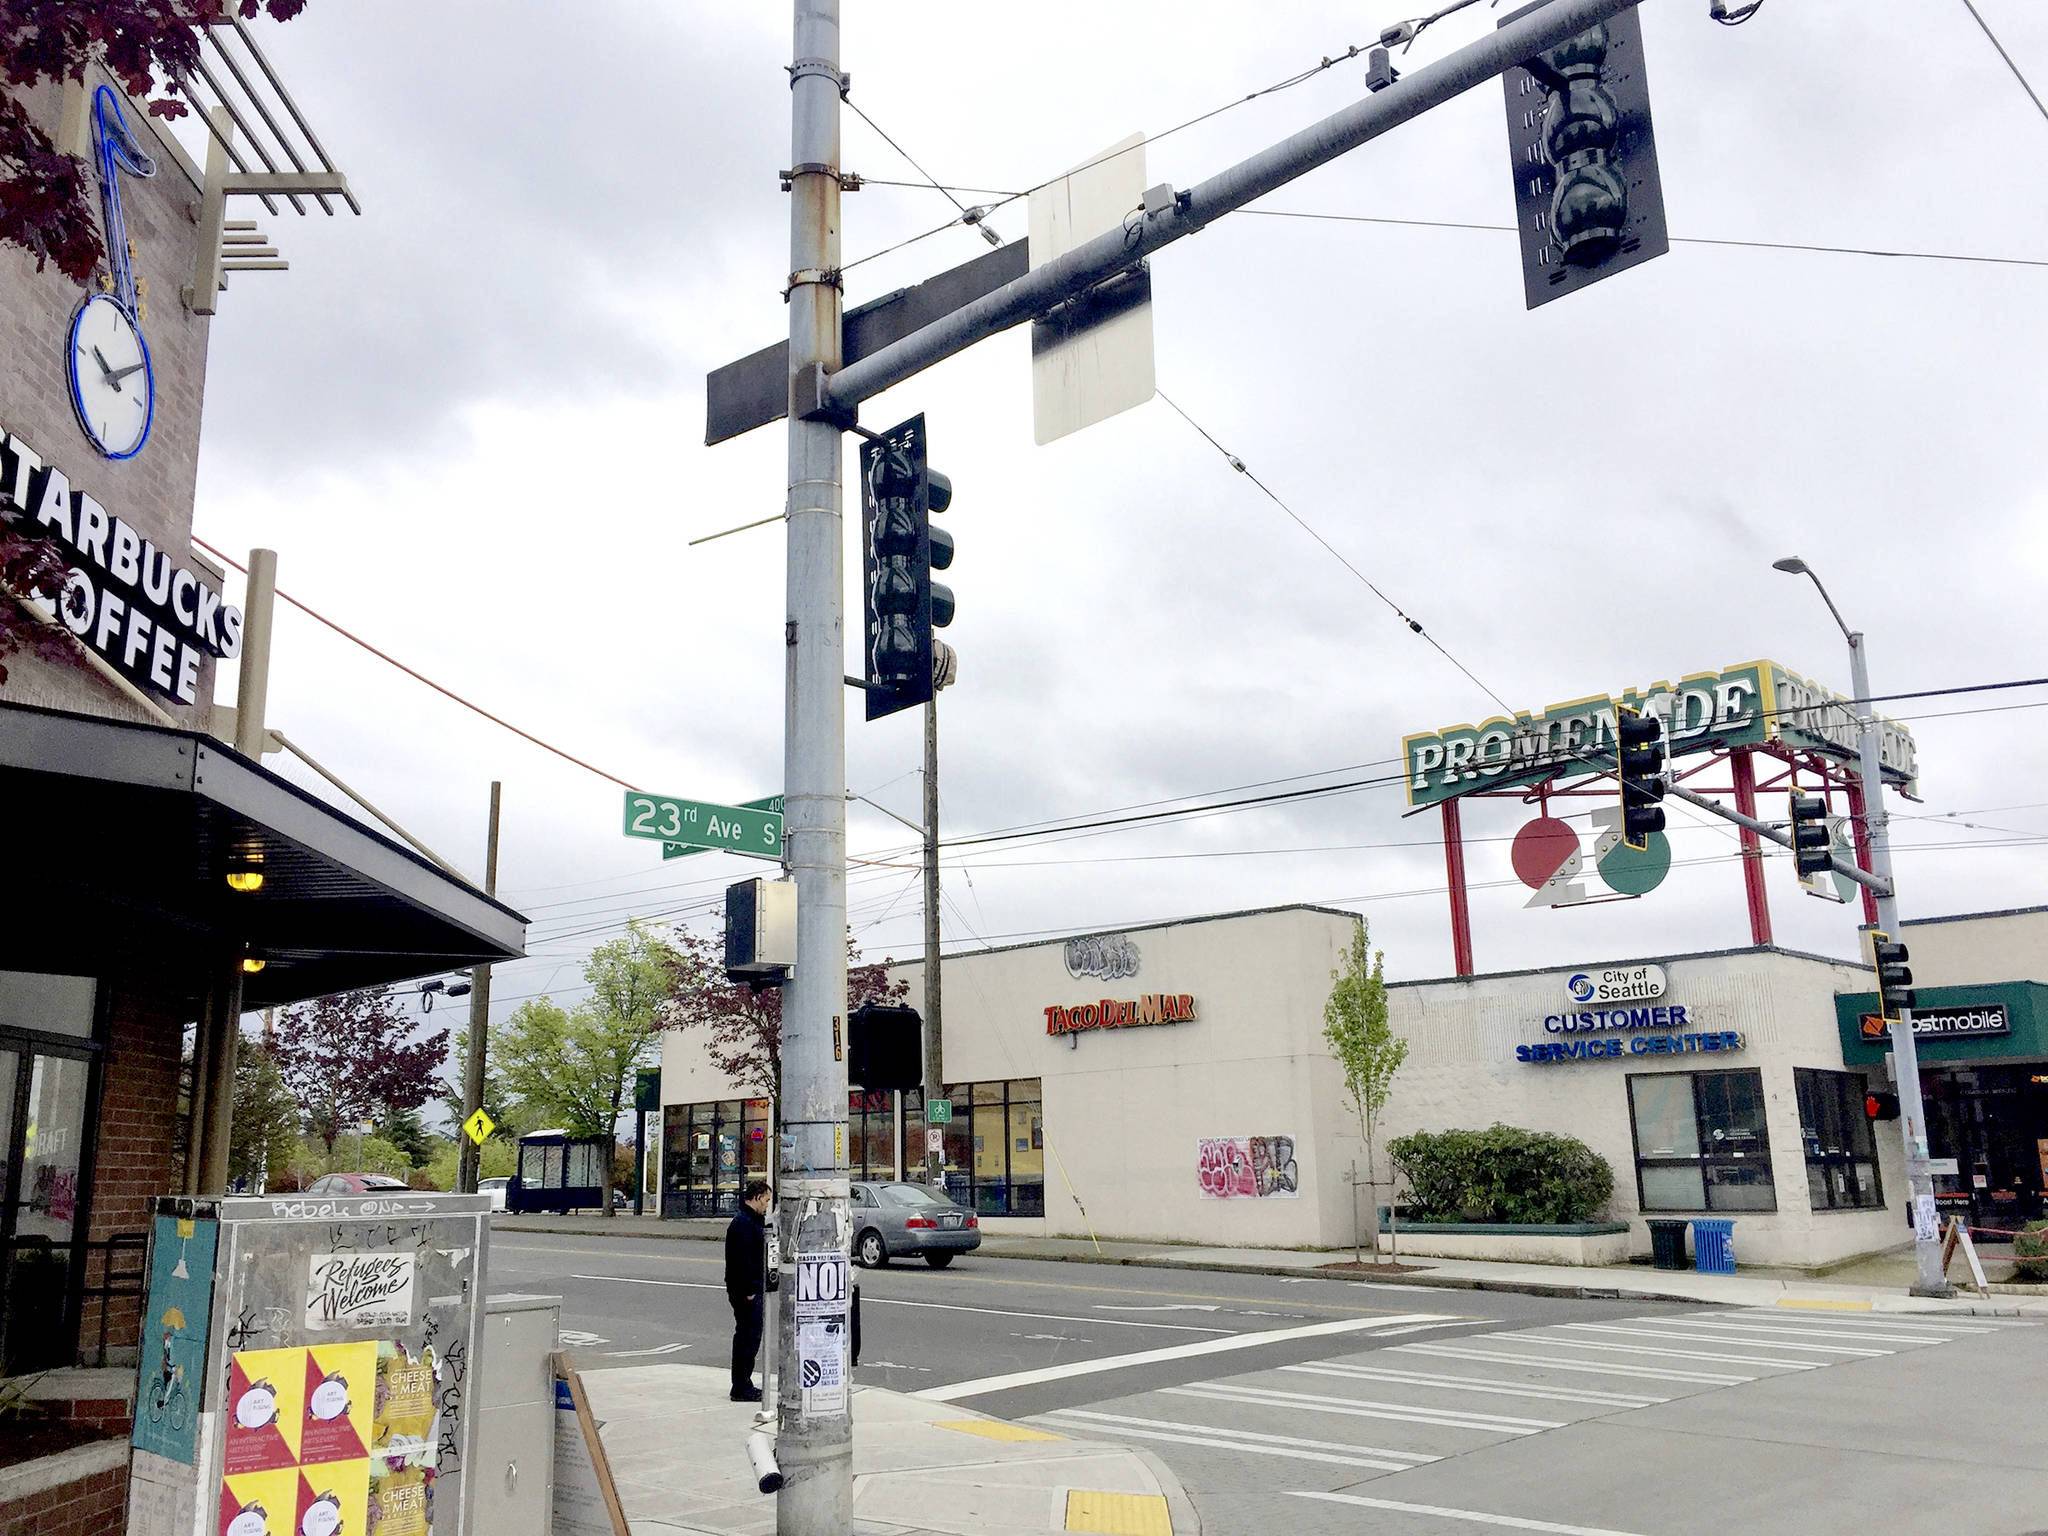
(700, 824)
(939, 1112)
(684, 850)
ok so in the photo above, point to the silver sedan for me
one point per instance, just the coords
(895, 1220)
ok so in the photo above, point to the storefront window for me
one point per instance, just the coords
(871, 1135)
(995, 1145)
(1841, 1152)
(1700, 1142)
(708, 1151)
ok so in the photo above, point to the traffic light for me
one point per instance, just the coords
(1881, 1106)
(1812, 842)
(1894, 979)
(1639, 752)
(1588, 199)
(884, 1047)
(901, 549)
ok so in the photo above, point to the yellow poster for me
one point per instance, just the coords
(341, 1386)
(334, 1499)
(265, 1409)
(260, 1503)
(401, 1500)
(402, 1416)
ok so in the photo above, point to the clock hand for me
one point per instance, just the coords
(116, 376)
(101, 358)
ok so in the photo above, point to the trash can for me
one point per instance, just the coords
(1713, 1246)
(1667, 1244)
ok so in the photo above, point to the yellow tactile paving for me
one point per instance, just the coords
(996, 1429)
(1118, 1514)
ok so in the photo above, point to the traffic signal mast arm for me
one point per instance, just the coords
(837, 395)
(1841, 866)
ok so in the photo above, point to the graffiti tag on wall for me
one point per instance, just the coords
(1247, 1167)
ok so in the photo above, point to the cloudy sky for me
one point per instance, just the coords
(471, 424)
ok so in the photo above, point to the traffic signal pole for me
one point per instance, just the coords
(1933, 1277)
(934, 1059)
(814, 1441)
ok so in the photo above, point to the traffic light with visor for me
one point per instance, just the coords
(1894, 978)
(1639, 755)
(1812, 842)
(901, 604)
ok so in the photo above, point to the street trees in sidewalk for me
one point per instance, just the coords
(265, 1136)
(1368, 1052)
(352, 1058)
(742, 1027)
(574, 1067)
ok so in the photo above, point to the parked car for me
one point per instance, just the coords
(357, 1184)
(497, 1189)
(896, 1220)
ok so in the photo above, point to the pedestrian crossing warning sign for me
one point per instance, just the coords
(478, 1127)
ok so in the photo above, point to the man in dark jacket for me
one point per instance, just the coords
(746, 1278)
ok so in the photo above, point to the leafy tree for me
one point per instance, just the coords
(499, 1102)
(1367, 1052)
(265, 1137)
(742, 1027)
(403, 1129)
(351, 1057)
(575, 1067)
(497, 1160)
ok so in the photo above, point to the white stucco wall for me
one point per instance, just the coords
(1985, 947)
(1462, 1072)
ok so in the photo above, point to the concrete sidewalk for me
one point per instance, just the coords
(1879, 1284)
(677, 1448)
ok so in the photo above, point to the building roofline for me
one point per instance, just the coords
(1970, 917)
(1170, 922)
(1699, 954)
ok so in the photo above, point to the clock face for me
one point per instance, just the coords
(111, 384)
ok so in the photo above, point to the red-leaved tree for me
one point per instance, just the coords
(353, 1057)
(742, 1028)
(28, 566)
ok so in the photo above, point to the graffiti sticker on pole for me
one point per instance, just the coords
(821, 1282)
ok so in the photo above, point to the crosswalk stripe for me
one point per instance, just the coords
(1472, 1516)
(987, 1384)
(1364, 1408)
(1708, 1338)
(1838, 1320)
(1585, 1367)
(1079, 1421)
(1811, 1333)
(1489, 1385)
(1645, 1349)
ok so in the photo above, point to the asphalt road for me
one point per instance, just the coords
(1326, 1405)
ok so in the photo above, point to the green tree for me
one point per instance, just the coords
(405, 1131)
(574, 1067)
(265, 1137)
(499, 1103)
(1368, 1053)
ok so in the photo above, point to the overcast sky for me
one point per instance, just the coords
(471, 421)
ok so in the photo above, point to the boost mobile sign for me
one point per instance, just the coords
(150, 618)
(1753, 704)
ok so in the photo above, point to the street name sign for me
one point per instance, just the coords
(702, 824)
(685, 850)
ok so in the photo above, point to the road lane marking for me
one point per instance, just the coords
(1489, 1385)
(1939, 1333)
(1364, 1408)
(1388, 1333)
(1476, 1517)
(1708, 1338)
(1171, 1306)
(1792, 1331)
(1292, 1446)
(1235, 1341)
(1586, 1367)
(1675, 1354)
(575, 1338)
(936, 1306)
(659, 1349)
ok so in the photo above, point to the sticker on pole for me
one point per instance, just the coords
(1926, 1220)
(820, 1286)
(821, 1362)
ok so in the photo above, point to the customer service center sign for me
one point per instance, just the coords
(1754, 704)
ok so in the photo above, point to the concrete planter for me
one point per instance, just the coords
(1584, 1243)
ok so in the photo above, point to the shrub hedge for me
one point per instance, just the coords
(1502, 1174)
(2030, 1253)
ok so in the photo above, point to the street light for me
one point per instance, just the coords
(1933, 1280)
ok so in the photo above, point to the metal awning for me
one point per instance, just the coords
(118, 840)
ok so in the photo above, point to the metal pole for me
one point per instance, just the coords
(1028, 297)
(1771, 834)
(814, 1444)
(479, 1021)
(1461, 904)
(934, 1057)
(253, 689)
(1743, 766)
(1933, 1280)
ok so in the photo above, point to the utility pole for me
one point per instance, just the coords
(814, 1441)
(934, 1056)
(479, 1023)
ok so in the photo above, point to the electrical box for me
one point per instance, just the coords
(760, 930)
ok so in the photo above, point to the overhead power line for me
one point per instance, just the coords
(2009, 64)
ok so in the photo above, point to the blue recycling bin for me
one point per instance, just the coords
(1713, 1246)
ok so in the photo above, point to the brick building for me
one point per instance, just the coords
(129, 954)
